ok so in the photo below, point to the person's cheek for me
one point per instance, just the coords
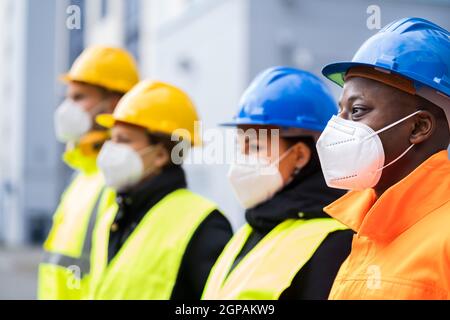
(91, 103)
(373, 120)
(85, 104)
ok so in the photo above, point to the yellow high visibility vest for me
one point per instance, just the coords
(269, 268)
(146, 266)
(63, 273)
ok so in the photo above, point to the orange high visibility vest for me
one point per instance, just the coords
(402, 246)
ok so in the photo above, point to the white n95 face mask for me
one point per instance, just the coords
(352, 155)
(71, 121)
(121, 165)
(255, 180)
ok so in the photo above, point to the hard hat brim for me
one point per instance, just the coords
(336, 71)
(65, 78)
(108, 121)
(105, 120)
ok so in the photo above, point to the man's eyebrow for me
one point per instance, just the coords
(350, 99)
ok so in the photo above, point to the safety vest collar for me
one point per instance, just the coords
(268, 269)
(401, 206)
(75, 159)
(147, 265)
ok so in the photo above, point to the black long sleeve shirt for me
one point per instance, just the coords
(204, 247)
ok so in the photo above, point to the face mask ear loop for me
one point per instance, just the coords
(146, 150)
(284, 155)
(393, 124)
(274, 164)
(398, 158)
(143, 152)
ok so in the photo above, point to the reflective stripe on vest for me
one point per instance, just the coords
(83, 261)
(67, 249)
(269, 268)
(146, 267)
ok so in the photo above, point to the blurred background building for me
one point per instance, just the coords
(210, 48)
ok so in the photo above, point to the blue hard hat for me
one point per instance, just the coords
(288, 98)
(414, 48)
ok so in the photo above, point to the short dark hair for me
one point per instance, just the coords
(156, 138)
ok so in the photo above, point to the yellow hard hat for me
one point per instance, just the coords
(107, 67)
(159, 107)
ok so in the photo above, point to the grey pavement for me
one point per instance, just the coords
(18, 272)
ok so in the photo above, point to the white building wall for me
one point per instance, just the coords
(12, 86)
(311, 34)
(30, 180)
(108, 30)
(206, 55)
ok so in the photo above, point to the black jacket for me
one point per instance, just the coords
(306, 193)
(203, 249)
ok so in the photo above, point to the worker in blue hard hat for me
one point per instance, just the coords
(388, 145)
(289, 248)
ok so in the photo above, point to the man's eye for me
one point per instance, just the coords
(123, 140)
(358, 110)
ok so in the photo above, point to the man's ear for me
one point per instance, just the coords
(424, 126)
(162, 156)
(302, 154)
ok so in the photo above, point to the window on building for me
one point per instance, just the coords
(76, 36)
(132, 26)
(104, 8)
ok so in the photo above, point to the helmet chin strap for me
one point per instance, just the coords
(151, 170)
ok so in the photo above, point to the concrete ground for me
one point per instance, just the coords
(18, 273)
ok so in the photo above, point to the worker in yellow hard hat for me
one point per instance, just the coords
(95, 83)
(155, 239)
